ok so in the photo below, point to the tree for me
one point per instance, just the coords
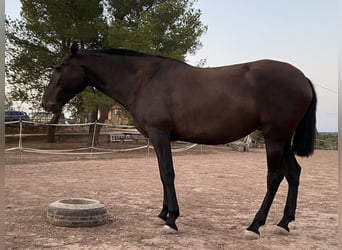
(34, 44)
(169, 28)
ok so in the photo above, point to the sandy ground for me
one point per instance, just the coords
(219, 192)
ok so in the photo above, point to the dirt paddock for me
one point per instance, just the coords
(219, 192)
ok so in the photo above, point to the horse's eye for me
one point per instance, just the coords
(58, 68)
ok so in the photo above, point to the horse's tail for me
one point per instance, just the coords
(305, 134)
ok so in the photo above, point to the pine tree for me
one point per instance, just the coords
(47, 28)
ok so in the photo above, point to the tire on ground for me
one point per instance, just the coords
(77, 212)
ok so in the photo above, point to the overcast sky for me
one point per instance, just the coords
(303, 33)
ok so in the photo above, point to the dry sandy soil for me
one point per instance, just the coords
(219, 192)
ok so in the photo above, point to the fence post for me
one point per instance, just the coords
(93, 139)
(148, 147)
(21, 140)
(20, 135)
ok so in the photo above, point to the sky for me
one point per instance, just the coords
(303, 33)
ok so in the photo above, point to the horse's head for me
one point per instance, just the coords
(68, 79)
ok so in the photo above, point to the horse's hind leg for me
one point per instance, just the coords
(292, 174)
(274, 151)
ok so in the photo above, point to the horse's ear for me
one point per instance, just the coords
(74, 48)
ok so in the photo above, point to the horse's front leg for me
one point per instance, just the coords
(164, 212)
(161, 143)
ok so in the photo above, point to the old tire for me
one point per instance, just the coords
(77, 212)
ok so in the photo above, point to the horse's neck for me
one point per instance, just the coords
(117, 80)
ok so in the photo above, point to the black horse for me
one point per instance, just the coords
(171, 100)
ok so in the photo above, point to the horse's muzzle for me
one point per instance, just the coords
(51, 107)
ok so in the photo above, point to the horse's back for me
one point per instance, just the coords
(218, 105)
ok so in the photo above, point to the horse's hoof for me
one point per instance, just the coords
(158, 221)
(249, 235)
(281, 231)
(168, 230)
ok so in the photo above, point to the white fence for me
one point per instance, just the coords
(118, 134)
(122, 134)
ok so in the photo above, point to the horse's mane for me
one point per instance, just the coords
(127, 52)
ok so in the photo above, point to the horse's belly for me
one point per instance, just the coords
(213, 133)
